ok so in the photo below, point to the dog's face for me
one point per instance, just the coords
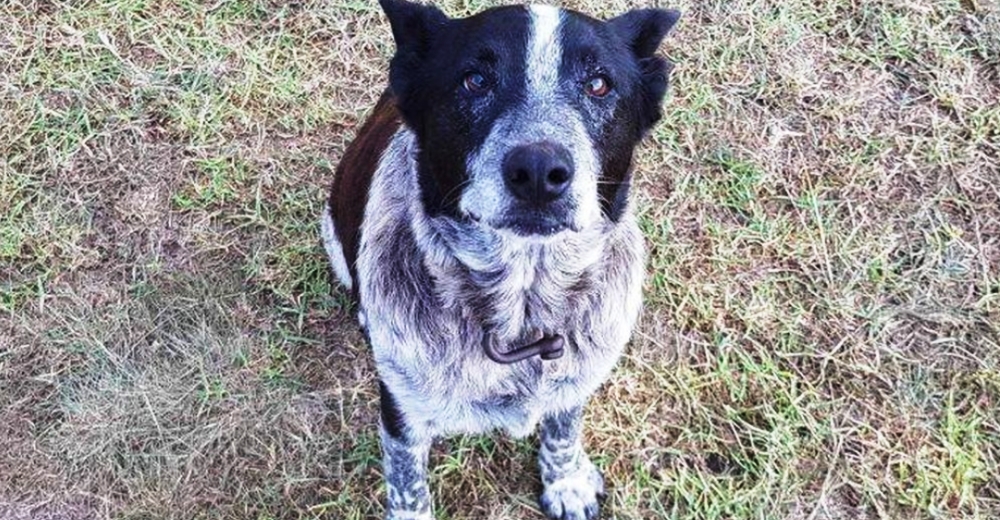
(527, 117)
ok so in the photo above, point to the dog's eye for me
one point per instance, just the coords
(475, 82)
(597, 86)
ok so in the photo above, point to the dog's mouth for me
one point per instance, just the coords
(528, 224)
(534, 226)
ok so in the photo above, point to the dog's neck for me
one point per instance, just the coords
(516, 285)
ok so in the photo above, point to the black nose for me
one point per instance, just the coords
(539, 172)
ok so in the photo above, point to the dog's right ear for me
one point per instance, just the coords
(413, 27)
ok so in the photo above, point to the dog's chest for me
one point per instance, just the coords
(428, 338)
(475, 393)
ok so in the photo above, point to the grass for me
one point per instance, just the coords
(821, 337)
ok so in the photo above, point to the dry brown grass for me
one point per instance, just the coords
(821, 338)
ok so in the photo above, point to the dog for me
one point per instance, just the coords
(481, 219)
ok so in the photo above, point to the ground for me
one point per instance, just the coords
(821, 338)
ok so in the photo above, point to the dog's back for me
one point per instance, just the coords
(341, 224)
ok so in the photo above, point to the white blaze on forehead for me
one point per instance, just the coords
(544, 49)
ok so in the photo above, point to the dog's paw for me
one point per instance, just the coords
(409, 515)
(575, 496)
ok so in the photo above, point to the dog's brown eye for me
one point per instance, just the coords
(475, 82)
(597, 86)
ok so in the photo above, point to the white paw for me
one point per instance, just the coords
(409, 515)
(575, 496)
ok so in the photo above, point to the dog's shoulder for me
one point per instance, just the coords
(354, 174)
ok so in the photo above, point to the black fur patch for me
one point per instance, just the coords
(620, 49)
(392, 417)
(433, 57)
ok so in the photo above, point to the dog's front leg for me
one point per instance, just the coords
(572, 483)
(404, 464)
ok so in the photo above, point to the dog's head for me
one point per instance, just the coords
(526, 118)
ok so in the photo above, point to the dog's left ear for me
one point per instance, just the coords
(643, 30)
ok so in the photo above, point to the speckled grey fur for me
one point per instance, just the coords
(433, 290)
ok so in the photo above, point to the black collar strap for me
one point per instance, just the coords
(549, 348)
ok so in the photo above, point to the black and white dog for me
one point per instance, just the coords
(481, 218)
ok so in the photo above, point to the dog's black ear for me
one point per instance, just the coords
(412, 24)
(644, 29)
(413, 28)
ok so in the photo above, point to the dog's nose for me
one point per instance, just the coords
(538, 172)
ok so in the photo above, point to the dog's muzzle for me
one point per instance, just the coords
(549, 348)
